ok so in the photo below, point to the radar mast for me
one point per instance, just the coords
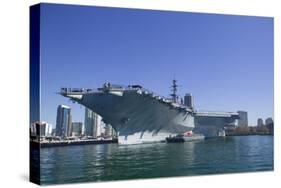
(174, 91)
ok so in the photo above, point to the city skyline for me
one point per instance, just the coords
(225, 61)
(244, 119)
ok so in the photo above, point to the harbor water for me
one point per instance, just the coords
(107, 162)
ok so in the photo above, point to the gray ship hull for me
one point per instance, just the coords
(137, 116)
(213, 124)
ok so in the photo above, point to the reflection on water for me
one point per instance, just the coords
(115, 162)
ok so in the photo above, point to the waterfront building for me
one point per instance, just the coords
(63, 126)
(92, 123)
(188, 100)
(49, 128)
(270, 125)
(269, 121)
(33, 129)
(243, 119)
(260, 122)
(77, 128)
(53, 132)
(41, 129)
(109, 131)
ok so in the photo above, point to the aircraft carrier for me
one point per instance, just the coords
(142, 116)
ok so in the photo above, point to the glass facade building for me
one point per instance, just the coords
(92, 123)
(63, 125)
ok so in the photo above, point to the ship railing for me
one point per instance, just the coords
(111, 87)
(216, 113)
(163, 99)
(65, 90)
(115, 87)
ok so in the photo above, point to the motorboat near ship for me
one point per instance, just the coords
(139, 115)
(185, 137)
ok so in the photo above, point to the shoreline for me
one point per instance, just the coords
(70, 143)
(95, 142)
(249, 134)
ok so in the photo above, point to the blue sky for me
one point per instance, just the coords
(225, 61)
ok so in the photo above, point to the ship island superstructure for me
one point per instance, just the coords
(139, 115)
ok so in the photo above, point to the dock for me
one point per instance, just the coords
(48, 144)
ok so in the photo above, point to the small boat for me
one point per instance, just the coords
(185, 137)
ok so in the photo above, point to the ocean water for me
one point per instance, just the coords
(107, 162)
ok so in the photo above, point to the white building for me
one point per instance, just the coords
(109, 131)
(92, 123)
(77, 128)
(41, 128)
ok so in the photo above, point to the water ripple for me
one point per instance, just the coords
(114, 162)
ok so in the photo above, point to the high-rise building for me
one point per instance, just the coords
(188, 100)
(77, 128)
(53, 132)
(63, 126)
(270, 125)
(243, 119)
(49, 129)
(109, 131)
(268, 121)
(260, 122)
(41, 129)
(92, 123)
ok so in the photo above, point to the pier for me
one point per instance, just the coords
(47, 144)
